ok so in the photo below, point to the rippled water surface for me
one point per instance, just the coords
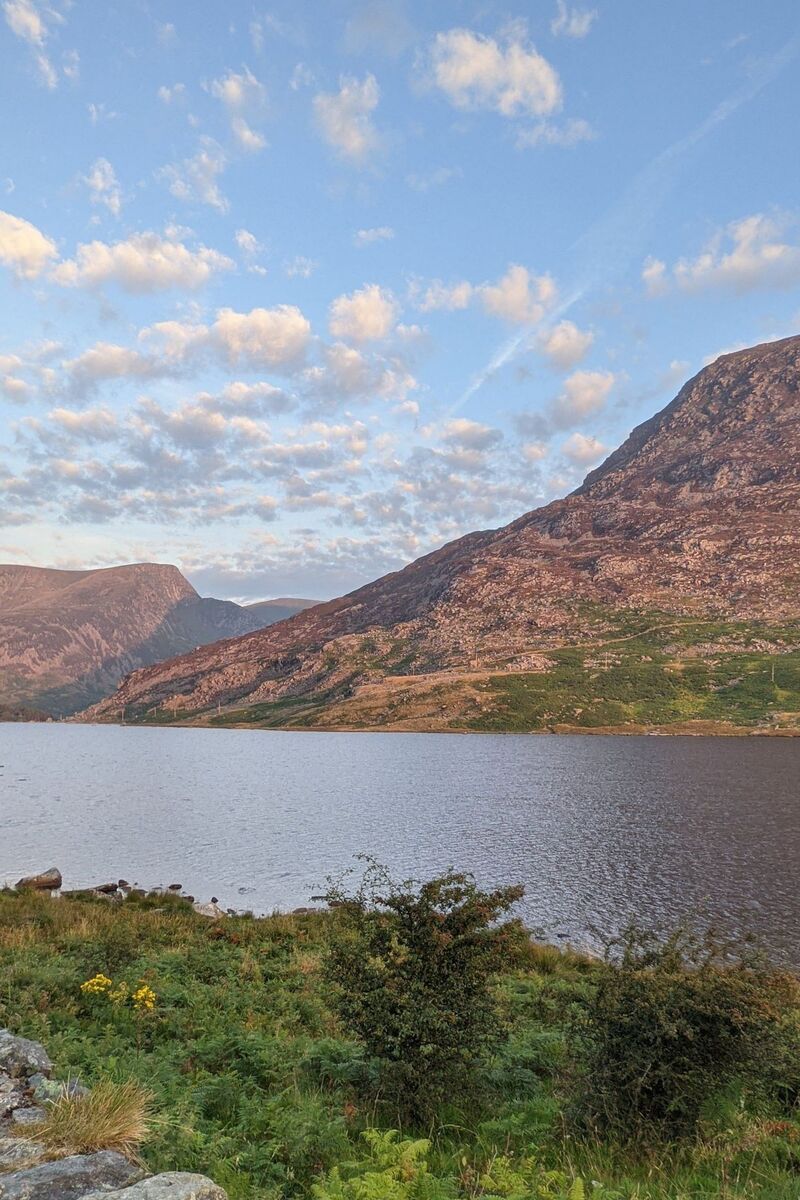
(599, 829)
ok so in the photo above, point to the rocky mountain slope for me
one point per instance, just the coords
(68, 637)
(695, 518)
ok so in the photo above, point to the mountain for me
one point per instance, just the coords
(68, 637)
(279, 609)
(662, 591)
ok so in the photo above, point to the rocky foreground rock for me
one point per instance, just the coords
(695, 515)
(25, 1172)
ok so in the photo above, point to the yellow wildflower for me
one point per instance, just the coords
(97, 985)
(120, 993)
(144, 999)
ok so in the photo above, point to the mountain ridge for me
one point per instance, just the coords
(68, 637)
(693, 517)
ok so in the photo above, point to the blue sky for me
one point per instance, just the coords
(294, 294)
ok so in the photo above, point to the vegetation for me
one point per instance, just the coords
(111, 1116)
(411, 968)
(260, 1078)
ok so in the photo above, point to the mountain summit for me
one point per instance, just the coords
(68, 637)
(694, 519)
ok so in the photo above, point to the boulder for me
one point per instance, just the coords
(70, 1178)
(17, 1152)
(52, 1089)
(19, 1056)
(172, 1185)
(47, 881)
(29, 1115)
(212, 910)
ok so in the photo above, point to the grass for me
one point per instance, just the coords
(111, 1116)
(254, 1083)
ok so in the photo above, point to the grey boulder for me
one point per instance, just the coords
(45, 881)
(18, 1152)
(70, 1178)
(172, 1185)
(19, 1056)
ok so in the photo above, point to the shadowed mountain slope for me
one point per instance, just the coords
(68, 637)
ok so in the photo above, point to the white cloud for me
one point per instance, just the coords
(519, 296)
(368, 314)
(471, 435)
(263, 337)
(242, 94)
(300, 267)
(509, 78)
(195, 179)
(549, 133)
(750, 255)
(344, 118)
(24, 249)
(438, 177)
(30, 23)
(654, 276)
(143, 264)
(448, 296)
(564, 345)
(534, 452)
(583, 449)
(366, 237)
(251, 248)
(105, 360)
(104, 186)
(572, 22)
(583, 393)
(167, 94)
(14, 388)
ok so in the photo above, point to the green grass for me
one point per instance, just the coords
(254, 1083)
(744, 674)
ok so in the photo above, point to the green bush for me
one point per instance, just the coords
(669, 1023)
(412, 966)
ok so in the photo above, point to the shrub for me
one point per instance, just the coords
(112, 1116)
(669, 1023)
(412, 966)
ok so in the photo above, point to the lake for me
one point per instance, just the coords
(599, 829)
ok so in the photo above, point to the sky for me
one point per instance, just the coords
(293, 294)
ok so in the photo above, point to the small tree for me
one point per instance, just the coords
(411, 966)
(670, 1022)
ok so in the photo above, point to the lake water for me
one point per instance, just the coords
(599, 829)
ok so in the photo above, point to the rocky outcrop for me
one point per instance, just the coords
(68, 637)
(695, 515)
(172, 1185)
(26, 1173)
(46, 881)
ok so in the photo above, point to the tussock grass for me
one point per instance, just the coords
(112, 1116)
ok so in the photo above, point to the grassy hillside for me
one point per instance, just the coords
(634, 671)
(256, 1083)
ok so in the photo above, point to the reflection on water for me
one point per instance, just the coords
(599, 829)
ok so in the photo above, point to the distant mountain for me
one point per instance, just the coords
(665, 589)
(68, 637)
(279, 609)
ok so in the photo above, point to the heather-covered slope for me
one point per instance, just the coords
(695, 517)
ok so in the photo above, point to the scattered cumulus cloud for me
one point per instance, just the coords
(748, 255)
(366, 315)
(583, 394)
(564, 345)
(168, 95)
(195, 179)
(344, 118)
(143, 264)
(31, 23)
(572, 22)
(103, 186)
(509, 77)
(244, 99)
(583, 450)
(367, 237)
(24, 249)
